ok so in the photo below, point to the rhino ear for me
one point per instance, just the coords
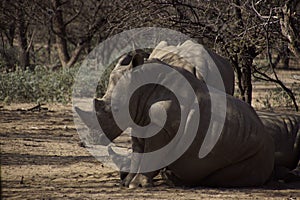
(137, 60)
(126, 60)
(195, 71)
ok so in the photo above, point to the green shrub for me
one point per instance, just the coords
(40, 85)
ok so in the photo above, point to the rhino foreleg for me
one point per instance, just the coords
(134, 180)
(122, 163)
(143, 180)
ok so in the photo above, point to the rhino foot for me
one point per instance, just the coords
(123, 175)
(126, 181)
(291, 177)
(286, 175)
(140, 180)
(137, 180)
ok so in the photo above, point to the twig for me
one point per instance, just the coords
(37, 107)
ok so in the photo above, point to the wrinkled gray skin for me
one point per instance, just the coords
(285, 129)
(243, 155)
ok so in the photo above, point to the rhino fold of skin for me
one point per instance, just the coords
(285, 129)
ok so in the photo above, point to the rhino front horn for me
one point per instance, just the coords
(88, 118)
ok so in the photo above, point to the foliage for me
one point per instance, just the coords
(40, 85)
(59, 33)
(277, 98)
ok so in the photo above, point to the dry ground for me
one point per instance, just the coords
(41, 159)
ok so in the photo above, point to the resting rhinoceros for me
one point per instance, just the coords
(197, 59)
(242, 156)
(285, 129)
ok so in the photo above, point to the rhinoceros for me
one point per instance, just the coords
(242, 156)
(285, 129)
(197, 59)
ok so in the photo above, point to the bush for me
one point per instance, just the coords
(40, 85)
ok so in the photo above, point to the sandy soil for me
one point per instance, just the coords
(41, 159)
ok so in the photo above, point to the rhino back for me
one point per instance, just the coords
(190, 56)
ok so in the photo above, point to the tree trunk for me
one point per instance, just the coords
(286, 57)
(22, 40)
(244, 72)
(288, 28)
(11, 33)
(49, 46)
(59, 29)
(245, 60)
(246, 81)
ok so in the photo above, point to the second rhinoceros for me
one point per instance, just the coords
(285, 130)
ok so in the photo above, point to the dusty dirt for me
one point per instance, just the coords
(41, 159)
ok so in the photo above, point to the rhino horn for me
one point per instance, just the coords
(88, 118)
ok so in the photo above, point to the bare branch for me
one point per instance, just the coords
(75, 15)
(259, 15)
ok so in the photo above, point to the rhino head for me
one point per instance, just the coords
(102, 107)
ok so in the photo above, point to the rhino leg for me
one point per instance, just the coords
(135, 180)
(123, 175)
(126, 181)
(143, 180)
(122, 163)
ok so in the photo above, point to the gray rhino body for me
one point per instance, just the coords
(285, 130)
(243, 155)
